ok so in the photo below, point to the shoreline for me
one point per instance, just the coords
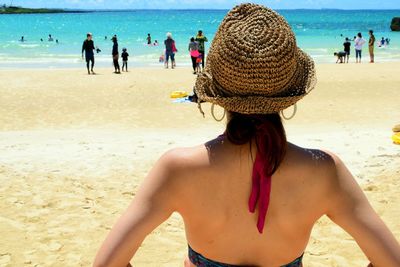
(143, 61)
(151, 66)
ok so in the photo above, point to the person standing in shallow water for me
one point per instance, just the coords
(88, 48)
(170, 50)
(115, 55)
(358, 45)
(201, 39)
(371, 44)
(249, 197)
(148, 39)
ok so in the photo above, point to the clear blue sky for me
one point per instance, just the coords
(219, 4)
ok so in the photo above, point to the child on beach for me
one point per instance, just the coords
(346, 46)
(161, 59)
(124, 56)
(199, 60)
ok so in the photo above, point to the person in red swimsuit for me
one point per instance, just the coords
(250, 197)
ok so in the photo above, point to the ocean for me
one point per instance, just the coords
(319, 32)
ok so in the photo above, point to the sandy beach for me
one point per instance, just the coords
(74, 149)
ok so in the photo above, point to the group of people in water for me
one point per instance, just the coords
(149, 43)
(196, 50)
(359, 41)
(50, 39)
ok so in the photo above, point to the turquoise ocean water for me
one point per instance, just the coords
(318, 32)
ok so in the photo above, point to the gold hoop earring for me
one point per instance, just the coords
(213, 114)
(291, 117)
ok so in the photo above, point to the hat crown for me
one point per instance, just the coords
(253, 52)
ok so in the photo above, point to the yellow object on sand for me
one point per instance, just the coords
(396, 138)
(179, 94)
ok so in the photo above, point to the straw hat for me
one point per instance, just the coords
(254, 65)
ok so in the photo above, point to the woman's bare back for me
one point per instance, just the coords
(215, 205)
(210, 186)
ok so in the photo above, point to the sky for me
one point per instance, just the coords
(204, 4)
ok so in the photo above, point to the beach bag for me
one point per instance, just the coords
(174, 50)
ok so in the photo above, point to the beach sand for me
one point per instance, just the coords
(74, 149)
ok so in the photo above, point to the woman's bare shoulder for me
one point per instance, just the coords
(181, 158)
(319, 169)
(199, 156)
(316, 160)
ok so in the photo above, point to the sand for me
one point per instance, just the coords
(74, 149)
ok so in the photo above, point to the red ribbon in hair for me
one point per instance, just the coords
(261, 178)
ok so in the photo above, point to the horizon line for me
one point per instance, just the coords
(223, 9)
(208, 9)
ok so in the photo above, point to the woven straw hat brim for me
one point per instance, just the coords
(303, 81)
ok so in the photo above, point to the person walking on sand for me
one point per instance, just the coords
(88, 48)
(170, 50)
(371, 44)
(346, 46)
(358, 45)
(201, 39)
(249, 197)
(194, 53)
(115, 54)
